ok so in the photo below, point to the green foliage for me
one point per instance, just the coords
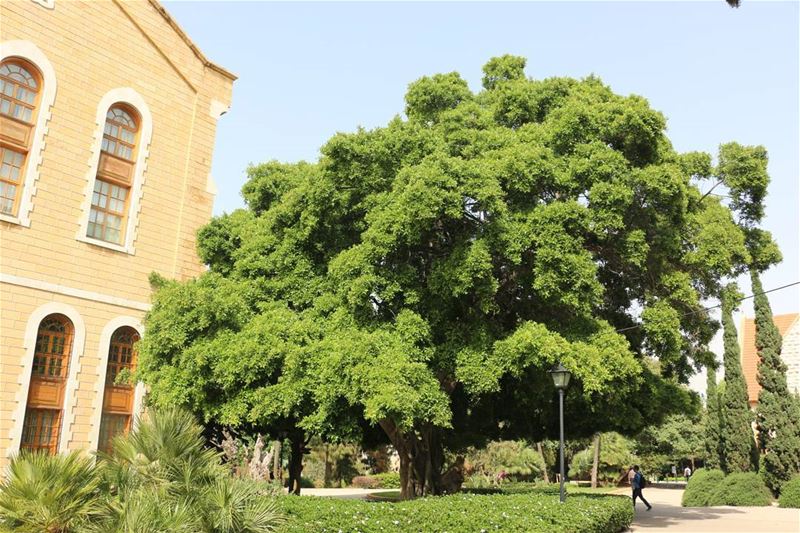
(739, 452)
(424, 275)
(461, 512)
(744, 171)
(679, 437)
(160, 478)
(743, 489)
(708, 488)
(702, 485)
(388, 480)
(49, 493)
(514, 458)
(713, 421)
(790, 493)
(778, 411)
(161, 474)
(616, 457)
(503, 68)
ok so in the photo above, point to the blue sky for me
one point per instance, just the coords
(308, 70)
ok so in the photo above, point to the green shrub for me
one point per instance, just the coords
(160, 477)
(388, 480)
(701, 486)
(365, 482)
(517, 488)
(530, 513)
(790, 493)
(514, 458)
(49, 493)
(711, 487)
(743, 489)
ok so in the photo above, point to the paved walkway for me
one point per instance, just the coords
(348, 493)
(668, 515)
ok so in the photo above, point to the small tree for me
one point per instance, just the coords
(738, 443)
(778, 412)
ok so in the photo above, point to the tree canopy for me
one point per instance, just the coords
(421, 277)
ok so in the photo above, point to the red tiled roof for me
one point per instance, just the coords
(750, 355)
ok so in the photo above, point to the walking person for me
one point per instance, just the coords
(637, 484)
(687, 472)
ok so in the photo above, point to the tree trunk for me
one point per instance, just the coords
(276, 461)
(596, 460)
(328, 469)
(421, 461)
(296, 463)
(541, 452)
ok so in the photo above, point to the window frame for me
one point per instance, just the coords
(28, 53)
(130, 100)
(138, 389)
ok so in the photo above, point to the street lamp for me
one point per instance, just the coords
(561, 379)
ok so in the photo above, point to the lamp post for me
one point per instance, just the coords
(561, 377)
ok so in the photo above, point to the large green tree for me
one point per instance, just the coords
(423, 276)
(736, 419)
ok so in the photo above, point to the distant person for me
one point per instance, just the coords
(631, 474)
(637, 484)
(687, 473)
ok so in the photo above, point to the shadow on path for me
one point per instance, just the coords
(668, 515)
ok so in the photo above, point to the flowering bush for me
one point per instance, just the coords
(530, 513)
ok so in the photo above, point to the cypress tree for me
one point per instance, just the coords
(713, 435)
(738, 442)
(778, 411)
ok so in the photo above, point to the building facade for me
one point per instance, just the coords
(108, 115)
(789, 327)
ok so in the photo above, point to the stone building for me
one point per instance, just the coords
(108, 114)
(789, 328)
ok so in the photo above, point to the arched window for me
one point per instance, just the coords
(20, 87)
(112, 185)
(119, 391)
(43, 413)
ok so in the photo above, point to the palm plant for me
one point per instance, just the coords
(49, 493)
(161, 476)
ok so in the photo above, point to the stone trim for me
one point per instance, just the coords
(30, 52)
(71, 291)
(132, 98)
(24, 380)
(49, 4)
(99, 389)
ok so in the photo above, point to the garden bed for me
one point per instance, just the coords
(460, 512)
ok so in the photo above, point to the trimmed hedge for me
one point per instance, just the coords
(711, 487)
(518, 488)
(530, 513)
(701, 486)
(745, 489)
(790, 493)
(388, 480)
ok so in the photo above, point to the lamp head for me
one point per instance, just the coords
(560, 376)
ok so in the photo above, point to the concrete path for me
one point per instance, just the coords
(348, 493)
(668, 515)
